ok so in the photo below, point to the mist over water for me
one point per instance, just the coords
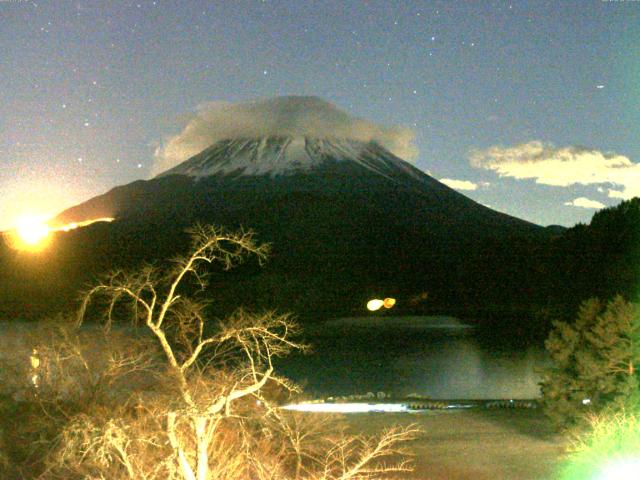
(435, 357)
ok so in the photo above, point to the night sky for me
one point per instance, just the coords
(529, 107)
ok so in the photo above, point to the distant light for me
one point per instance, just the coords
(347, 407)
(375, 304)
(599, 87)
(624, 469)
(389, 302)
(586, 401)
(73, 225)
(30, 233)
(32, 230)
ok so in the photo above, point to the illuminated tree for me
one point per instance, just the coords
(210, 413)
(608, 450)
(594, 361)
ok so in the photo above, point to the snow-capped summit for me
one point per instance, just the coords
(277, 155)
(231, 174)
(273, 121)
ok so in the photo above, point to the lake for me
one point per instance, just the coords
(438, 357)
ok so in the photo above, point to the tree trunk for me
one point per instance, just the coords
(187, 471)
(200, 425)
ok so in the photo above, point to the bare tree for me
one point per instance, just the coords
(319, 447)
(212, 416)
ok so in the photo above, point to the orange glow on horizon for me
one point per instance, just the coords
(32, 230)
(33, 234)
(74, 225)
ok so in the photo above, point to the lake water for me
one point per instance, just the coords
(437, 357)
(432, 356)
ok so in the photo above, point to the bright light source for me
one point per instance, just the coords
(623, 469)
(389, 302)
(32, 230)
(586, 401)
(30, 233)
(347, 407)
(375, 304)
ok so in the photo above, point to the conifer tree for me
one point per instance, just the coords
(594, 361)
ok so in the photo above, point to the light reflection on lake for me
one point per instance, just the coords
(431, 356)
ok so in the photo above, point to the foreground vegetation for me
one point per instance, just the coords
(592, 389)
(175, 397)
(610, 448)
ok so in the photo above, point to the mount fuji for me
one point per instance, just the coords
(235, 172)
(347, 219)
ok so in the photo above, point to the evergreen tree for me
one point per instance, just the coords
(594, 361)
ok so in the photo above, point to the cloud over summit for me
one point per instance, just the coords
(282, 116)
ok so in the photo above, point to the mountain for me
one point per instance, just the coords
(347, 220)
(279, 166)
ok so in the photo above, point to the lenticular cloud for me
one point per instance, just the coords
(282, 116)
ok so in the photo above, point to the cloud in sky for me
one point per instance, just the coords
(459, 184)
(584, 202)
(562, 166)
(282, 116)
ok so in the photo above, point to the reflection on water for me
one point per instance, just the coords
(436, 357)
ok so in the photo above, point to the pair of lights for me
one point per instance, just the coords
(377, 304)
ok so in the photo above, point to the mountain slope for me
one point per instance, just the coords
(347, 220)
(279, 165)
